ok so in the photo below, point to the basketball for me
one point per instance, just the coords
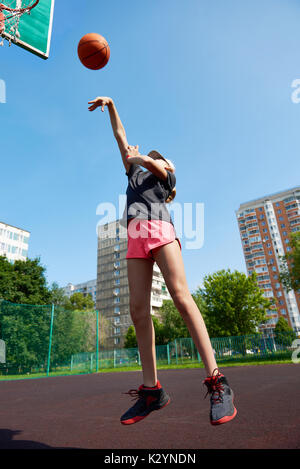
(93, 51)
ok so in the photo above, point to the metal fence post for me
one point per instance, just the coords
(50, 339)
(97, 341)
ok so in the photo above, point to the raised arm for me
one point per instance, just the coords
(117, 126)
(158, 167)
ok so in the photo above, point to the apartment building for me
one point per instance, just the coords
(13, 242)
(112, 282)
(265, 226)
(86, 288)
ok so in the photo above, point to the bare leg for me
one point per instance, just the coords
(170, 262)
(140, 273)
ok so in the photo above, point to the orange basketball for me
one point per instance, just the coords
(93, 51)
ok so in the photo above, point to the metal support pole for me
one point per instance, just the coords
(50, 340)
(97, 341)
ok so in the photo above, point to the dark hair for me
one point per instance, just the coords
(171, 196)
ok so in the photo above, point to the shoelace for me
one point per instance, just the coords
(135, 393)
(214, 387)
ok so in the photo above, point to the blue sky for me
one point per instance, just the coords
(206, 83)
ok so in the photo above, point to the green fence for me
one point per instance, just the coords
(48, 339)
(43, 339)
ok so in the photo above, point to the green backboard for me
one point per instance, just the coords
(34, 29)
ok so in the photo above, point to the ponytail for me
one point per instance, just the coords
(171, 196)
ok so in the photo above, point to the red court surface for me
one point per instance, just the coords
(83, 412)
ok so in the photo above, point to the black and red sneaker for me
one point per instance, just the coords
(148, 399)
(221, 399)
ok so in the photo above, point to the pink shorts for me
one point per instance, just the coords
(146, 235)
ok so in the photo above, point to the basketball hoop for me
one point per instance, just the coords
(10, 14)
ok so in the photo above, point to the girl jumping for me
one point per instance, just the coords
(152, 238)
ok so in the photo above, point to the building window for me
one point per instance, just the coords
(117, 340)
(117, 281)
(117, 310)
(279, 211)
(282, 225)
(117, 300)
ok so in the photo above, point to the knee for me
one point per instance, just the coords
(139, 312)
(182, 300)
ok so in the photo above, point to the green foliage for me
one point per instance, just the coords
(130, 339)
(172, 326)
(24, 282)
(290, 272)
(25, 330)
(284, 334)
(79, 302)
(168, 326)
(233, 304)
(58, 296)
(71, 332)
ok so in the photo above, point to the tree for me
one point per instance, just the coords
(173, 326)
(168, 326)
(24, 282)
(79, 302)
(58, 296)
(130, 338)
(284, 334)
(233, 303)
(290, 270)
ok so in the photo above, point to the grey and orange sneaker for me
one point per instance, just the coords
(148, 399)
(221, 398)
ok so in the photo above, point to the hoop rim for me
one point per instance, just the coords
(18, 10)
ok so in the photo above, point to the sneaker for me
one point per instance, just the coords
(221, 400)
(148, 399)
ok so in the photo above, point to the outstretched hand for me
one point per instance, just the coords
(99, 102)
